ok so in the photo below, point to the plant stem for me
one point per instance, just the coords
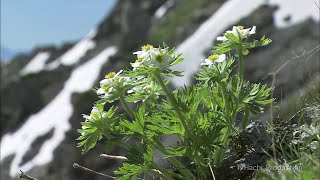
(240, 62)
(177, 163)
(171, 99)
(126, 106)
(226, 103)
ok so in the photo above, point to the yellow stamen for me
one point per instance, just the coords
(160, 57)
(139, 60)
(213, 57)
(146, 47)
(105, 87)
(110, 75)
(93, 114)
(240, 27)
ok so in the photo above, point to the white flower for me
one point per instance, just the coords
(152, 57)
(213, 59)
(161, 60)
(111, 80)
(95, 113)
(145, 51)
(222, 38)
(238, 30)
(137, 64)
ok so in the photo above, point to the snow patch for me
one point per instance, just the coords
(194, 46)
(73, 55)
(55, 116)
(161, 11)
(296, 10)
(36, 64)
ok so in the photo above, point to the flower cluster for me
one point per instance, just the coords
(152, 57)
(111, 81)
(238, 31)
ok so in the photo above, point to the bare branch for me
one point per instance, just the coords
(310, 53)
(75, 165)
(113, 157)
(22, 175)
(213, 177)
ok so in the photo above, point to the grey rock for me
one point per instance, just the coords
(248, 151)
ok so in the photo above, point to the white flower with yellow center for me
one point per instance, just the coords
(150, 57)
(238, 30)
(144, 53)
(213, 59)
(95, 113)
(111, 80)
(137, 63)
(161, 60)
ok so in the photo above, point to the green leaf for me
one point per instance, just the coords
(130, 171)
(95, 127)
(258, 43)
(232, 37)
(245, 51)
(177, 60)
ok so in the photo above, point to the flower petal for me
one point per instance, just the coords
(100, 91)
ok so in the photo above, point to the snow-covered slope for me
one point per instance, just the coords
(232, 11)
(54, 116)
(75, 53)
(36, 64)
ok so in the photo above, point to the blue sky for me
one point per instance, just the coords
(26, 24)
